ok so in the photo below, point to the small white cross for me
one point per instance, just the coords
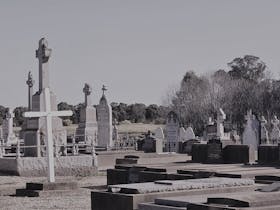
(48, 114)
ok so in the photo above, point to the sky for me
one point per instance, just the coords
(139, 49)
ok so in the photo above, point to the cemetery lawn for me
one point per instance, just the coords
(70, 199)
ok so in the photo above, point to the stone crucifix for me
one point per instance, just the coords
(87, 91)
(48, 114)
(43, 54)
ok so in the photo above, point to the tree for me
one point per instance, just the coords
(152, 113)
(249, 68)
(136, 112)
(191, 101)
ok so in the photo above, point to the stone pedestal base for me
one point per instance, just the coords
(64, 166)
(35, 189)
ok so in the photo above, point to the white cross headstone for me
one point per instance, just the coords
(48, 114)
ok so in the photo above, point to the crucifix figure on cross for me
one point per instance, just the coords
(48, 114)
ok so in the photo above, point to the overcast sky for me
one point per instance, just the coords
(138, 48)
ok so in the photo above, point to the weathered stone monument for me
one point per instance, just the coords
(172, 132)
(104, 122)
(34, 129)
(221, 116)
(159, 136)
(251, 133)
(264, 131)
(275, 133)
(7, 129)
(87, 128)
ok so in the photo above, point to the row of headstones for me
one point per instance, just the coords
(257, 132)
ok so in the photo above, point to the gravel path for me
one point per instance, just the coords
(70, 200)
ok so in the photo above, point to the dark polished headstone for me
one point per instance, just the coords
(268, 154)
(199, 153)
(214, 151)
(238, 154)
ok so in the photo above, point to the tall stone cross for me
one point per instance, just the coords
(48, 114)
(87, 91)
(43, 54)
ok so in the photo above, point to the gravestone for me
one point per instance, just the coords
(182, 134)
(149, 143)
(264, 131)
(190, 134)
(221, 116)
(251, 133)
(186, 147)
(211, 130)
(33, 126)
(268, 154)
(7, 129)
(214, 151)
(172, 132)
(238, 154)
(275, 133)
(87, 128)
(159, 133)
(199, 153)
(104, 122)
(152, 144)
(159, 136)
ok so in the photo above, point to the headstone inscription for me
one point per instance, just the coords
(214, 151)
(172, 132)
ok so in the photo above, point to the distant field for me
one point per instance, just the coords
(122, 128)
(137, 127)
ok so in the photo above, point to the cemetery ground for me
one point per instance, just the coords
(70, 199)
